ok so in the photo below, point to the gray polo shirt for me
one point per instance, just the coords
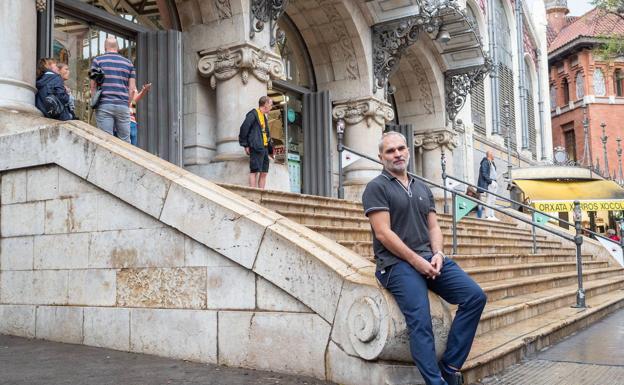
(409, 209)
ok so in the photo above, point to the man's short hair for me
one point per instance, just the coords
(390, 133)
(264, 100)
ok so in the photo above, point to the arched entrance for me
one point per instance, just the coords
(289, 128)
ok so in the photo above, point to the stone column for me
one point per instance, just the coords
(18, 43)
(240, 75)
(430, 143)
(365, 120)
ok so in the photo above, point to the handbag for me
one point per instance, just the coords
(95, 98)
(97, 75)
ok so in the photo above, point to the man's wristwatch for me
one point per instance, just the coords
(441, 253)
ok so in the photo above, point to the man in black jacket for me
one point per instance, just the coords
(487, 182)
(256, 138)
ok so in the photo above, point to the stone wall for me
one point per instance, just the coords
(79, 265)
(104, 244)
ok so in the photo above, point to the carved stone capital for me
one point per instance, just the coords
(431, 140)
(226, 62)
(354, 111)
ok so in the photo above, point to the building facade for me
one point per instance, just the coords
(442, 71)
(586, 89)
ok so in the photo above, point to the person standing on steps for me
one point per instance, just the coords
(487, 183)
(255, 137)
(112, 111)
(134, 127)
(407, 242)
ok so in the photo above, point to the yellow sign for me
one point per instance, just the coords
(561, 206)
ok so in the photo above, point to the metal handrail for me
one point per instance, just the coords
(577, 239)
(532, 209)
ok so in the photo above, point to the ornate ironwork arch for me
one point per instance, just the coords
(265, 11)
(465, 60)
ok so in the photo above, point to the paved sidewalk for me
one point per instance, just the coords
(594, 356)
(37, 362)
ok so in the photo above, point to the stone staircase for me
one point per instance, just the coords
(529, 295)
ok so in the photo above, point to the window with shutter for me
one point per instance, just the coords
(530, 111)
(599, 83)
(580, 85)
(505, 74)
(506, 93)
(477, 98)
(477, 95)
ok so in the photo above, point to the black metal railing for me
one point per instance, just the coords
(577, 239)
(532, 210)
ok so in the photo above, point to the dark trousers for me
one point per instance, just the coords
(409, 289)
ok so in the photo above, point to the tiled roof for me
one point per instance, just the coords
(551, 35)
(594, 23)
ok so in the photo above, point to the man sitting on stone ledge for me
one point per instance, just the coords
(407, 242)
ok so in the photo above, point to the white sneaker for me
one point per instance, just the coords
(493, 219)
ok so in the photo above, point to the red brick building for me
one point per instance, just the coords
(582, 80)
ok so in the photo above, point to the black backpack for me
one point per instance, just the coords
(53, 106)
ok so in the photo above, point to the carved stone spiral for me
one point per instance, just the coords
(367, 332)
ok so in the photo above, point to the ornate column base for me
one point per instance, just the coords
(365, 119)
(18, 24)
(237, 172)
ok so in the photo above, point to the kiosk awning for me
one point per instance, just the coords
(557, 196)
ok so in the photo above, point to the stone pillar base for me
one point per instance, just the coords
(237, 172)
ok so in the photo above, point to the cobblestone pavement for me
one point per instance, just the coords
(36, 362)
(594, 356)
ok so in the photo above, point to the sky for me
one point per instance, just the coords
(579, 7)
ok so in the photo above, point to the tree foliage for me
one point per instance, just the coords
(613, 46)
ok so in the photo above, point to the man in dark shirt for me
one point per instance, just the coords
(255, 137)
(407, 241)
(118, 88)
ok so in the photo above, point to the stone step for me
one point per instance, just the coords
(497, 290)
(365, 249)
(496, 273)
(478, 222)
(467, 260)
(344, 233)
(324, 219)
(259, 195)
(494, 351)
(306, 207)
(504, 312)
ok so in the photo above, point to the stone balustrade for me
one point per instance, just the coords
(106, 245)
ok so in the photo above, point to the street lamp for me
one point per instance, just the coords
(578, 241)
(508, 128)
(340, 129)
(586, 155)
(443, 162)
(619, 155)
(603, 139)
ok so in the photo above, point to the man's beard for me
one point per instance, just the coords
(396, 168)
